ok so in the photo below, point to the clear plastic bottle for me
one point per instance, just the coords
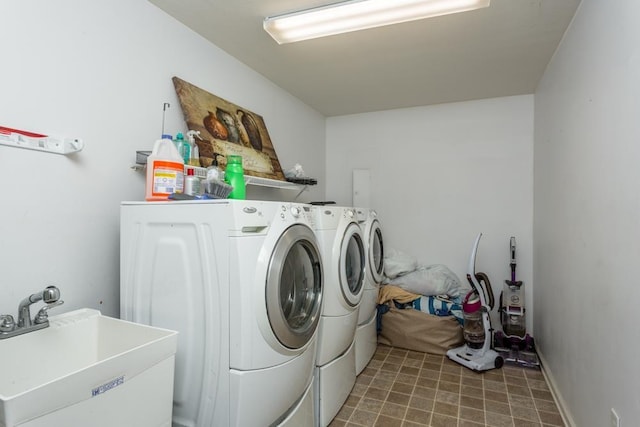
(183, 148)
(234, 176)
(194, 155)
(213, 171)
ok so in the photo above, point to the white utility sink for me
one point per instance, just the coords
(87, 369)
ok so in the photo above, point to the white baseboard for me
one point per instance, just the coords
(560, 403)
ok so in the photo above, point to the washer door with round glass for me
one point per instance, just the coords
(376, 252)
(352, 259)
(294, 287)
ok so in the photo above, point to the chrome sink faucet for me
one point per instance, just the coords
(8, 328)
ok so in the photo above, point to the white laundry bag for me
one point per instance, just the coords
(430, 280)
(397, 263)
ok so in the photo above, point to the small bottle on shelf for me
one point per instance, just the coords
(213, 171)
(192, 183)
(194, 157)
(183, 148)
(234, 176)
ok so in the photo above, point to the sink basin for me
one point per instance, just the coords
(87, 369)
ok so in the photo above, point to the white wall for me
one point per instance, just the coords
(442, 174)
(101, 71)
(587, 210)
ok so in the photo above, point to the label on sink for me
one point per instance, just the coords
(107, 386)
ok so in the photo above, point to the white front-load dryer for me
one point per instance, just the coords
(242, 282)
(366, 339)
(343, 254)
(275, 307)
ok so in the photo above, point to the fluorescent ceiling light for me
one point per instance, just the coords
(356, 15)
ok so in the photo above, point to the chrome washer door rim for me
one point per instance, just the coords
(376, 260)
(294, 322)
(352, 234)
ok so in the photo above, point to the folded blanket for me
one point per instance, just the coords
(396, 293)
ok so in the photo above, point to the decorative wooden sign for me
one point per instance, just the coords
(227, 129)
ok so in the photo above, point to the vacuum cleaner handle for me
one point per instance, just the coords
(471, 269)
(475, 279)
(512, 263)
(484, 279)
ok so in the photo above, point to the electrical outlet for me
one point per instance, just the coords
(615, 419)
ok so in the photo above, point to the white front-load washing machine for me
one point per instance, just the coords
(242, 283)
(366, 339)
(343, 254)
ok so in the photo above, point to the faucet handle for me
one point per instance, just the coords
(7, 324)
(42, 315)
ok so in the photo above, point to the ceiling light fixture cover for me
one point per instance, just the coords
(354, 15)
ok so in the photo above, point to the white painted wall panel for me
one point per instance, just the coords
(440, 175)
(587, 205)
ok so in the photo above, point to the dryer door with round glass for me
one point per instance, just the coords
(294, 287)
(376, 252)
(352, 259)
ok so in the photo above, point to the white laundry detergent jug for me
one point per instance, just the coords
(165, 171)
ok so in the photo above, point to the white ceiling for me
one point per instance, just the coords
(497, 51)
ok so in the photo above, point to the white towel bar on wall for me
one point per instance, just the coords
(35, 141)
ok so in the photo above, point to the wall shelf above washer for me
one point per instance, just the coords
(273, 183)
(248, 179)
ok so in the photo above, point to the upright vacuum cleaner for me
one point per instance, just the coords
(476, 354)
(513, 343)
